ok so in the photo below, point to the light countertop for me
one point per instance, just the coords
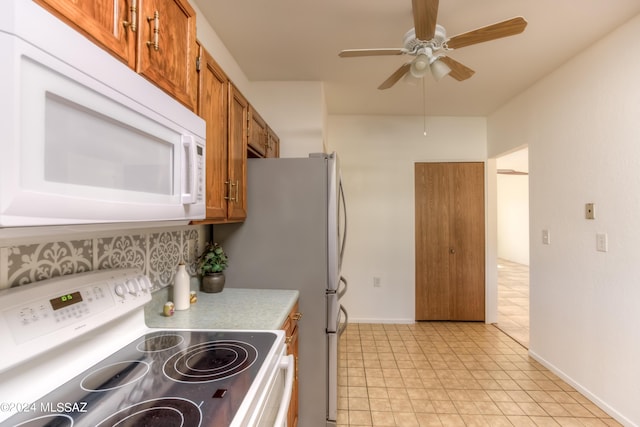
(233, 308)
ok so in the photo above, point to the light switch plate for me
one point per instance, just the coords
(546, 237)
(602, 244)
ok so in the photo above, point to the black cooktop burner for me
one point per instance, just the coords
(210, 361)
(48, 421)
(211, 372)
(160, 343)
(164, 412)
(116, 375)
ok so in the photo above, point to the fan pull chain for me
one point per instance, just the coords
(424, 107)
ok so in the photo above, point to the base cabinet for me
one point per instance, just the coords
(291, 330)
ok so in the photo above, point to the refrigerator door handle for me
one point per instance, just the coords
(342, 328)
(344, 290)
(344, 232)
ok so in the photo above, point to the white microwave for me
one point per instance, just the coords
(83, 138)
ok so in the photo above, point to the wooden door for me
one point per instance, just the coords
(449, 203)
(213, 104)
(238, 129)
(106, 22)
(171, 62)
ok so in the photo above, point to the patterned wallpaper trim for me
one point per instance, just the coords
(156, 252)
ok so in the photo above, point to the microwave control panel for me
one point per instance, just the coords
(201, 171)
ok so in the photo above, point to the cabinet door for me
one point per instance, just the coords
(106, 22)
(167, 49)
(257, 133)
(213, 102)
(291, 331)
(273, 144)
(238, 129)
(449, 200)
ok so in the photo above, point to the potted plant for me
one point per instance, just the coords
(211, 265)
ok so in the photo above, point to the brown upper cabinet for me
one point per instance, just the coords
(238, 137)
(273, 144)
(257, 143)
(225, 111)
(263, 141)
(156, 38)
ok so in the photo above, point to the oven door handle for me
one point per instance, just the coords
(286, 362)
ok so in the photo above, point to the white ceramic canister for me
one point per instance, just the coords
(181, 288)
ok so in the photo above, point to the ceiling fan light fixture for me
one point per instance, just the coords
(439, 69)
(420, 66)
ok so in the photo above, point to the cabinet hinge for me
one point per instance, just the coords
(198, 63)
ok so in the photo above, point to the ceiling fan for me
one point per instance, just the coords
(429, 44)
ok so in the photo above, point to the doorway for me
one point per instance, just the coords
(513, 244)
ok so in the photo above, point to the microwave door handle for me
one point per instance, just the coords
(189, 170)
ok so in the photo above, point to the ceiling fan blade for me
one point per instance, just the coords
(425, 14)
(351, 53)
(458, 71)
(510, 27)
(397, 75)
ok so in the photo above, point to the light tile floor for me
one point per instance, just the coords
(513, 300)
(451, 374)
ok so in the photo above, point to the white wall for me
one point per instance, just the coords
(377, 155)
(296, 111)
(582, 127)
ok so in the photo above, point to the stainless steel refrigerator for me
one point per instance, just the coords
(294, 238)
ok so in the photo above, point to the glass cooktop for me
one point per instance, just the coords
(164, 378)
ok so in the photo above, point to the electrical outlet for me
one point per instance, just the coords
(376, 282)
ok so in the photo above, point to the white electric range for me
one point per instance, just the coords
(76, 352)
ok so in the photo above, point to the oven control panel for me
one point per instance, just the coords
(49, 313)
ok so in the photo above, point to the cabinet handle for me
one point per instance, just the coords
(452, 251)
(288, 340)
(297, 316)
(133, 10)
(237, 199)
(156, 30)
(229, 185)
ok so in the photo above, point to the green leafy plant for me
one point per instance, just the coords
(213, 259)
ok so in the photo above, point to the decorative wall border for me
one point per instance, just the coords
(156, 252)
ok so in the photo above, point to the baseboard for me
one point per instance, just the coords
(593, 398)
(366, 320)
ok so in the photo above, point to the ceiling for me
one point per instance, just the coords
(299, 40)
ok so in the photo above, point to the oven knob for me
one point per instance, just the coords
(119, 290)
(133, 287)
(146, 284)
